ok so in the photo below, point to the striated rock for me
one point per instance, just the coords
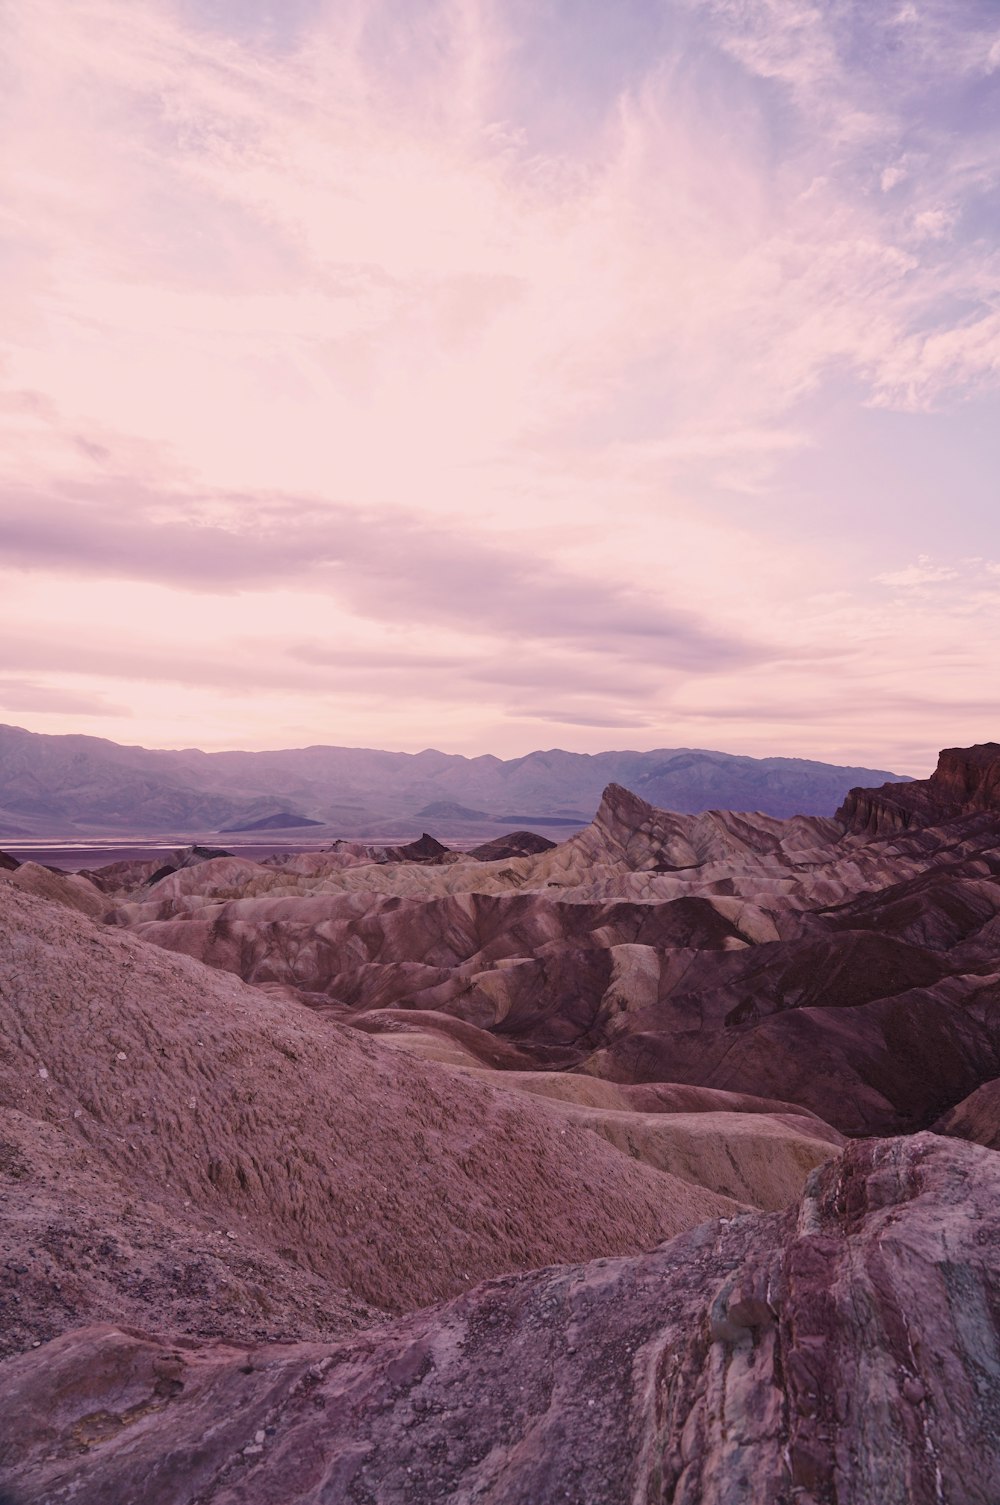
(72, 890)
(965, 782)
(845, 1351)
(855, 976)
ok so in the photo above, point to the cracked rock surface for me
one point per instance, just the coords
(843, 1351)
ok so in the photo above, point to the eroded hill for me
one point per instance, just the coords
(258, 1121)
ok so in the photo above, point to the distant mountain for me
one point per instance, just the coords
(282, 820)
(64, 786)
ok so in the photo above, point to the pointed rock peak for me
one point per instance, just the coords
(425, 848)
(428, 845)
(623, 807)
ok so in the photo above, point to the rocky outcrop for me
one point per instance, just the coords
(213, 1192)
(426, 848)
(965, 782)
(73, 890)
(846, 1351)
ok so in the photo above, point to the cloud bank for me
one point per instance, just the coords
(448, 375)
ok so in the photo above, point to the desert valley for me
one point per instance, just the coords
(656, 1165)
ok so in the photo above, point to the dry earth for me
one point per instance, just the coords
(841, 1353)
(179, 1115)
(857, 976)
(234, 1195)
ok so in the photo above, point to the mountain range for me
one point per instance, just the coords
(66, 786)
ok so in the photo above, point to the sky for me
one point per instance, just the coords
(501, 374)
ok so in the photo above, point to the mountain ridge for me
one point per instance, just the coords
(62, 785)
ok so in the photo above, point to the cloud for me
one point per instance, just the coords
(892, 176)
(934, 224)
(18, 695)
(389, 566)
(924, 572)
(337, 380)
(564, 717)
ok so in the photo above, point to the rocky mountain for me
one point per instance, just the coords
(965, 782)
(285, 1143)
(61, 786)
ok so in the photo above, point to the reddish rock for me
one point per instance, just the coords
(965, 782)
(844, 1353)
(177, 1146)
(976, 1117)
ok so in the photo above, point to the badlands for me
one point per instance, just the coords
(653, 1166)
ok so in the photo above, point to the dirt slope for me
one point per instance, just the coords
(133, 1077)
(846, 1351)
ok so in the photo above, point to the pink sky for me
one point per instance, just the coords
(494, 377)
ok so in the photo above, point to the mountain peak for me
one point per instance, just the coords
(966, 781)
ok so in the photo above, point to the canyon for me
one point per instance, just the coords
(656, 1164)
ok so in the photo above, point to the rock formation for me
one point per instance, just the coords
(794, 959)
(171, 1115)
(844, 1351)
(965, 782)
(976, 1117)
(283, 1145)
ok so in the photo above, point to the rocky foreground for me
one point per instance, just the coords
(283, 1146)
(846, 1350)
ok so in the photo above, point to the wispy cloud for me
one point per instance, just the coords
(17, 695)
(388, 566)
(309, 320)
(923, 572)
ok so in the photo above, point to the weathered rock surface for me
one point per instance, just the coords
(965, 782)
(208, 1136)
(844, 1351)
(976, 1117)
(514, 844)
(856, 976)
(72, 890)
(213, 1193)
